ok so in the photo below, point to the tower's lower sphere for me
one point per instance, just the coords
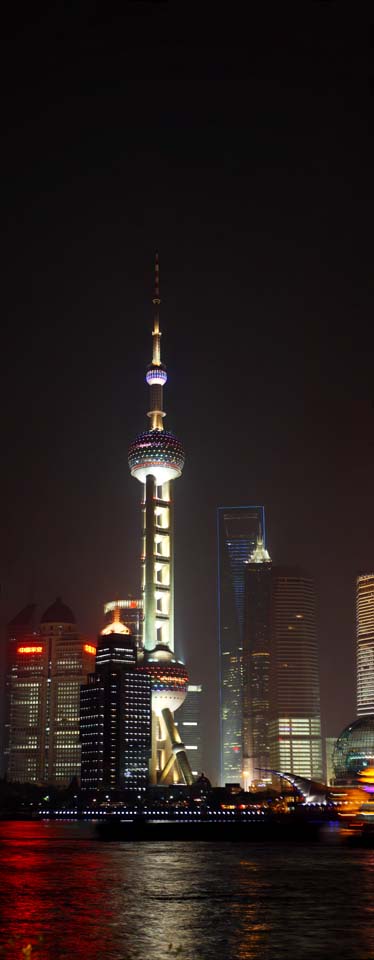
(354, 749)
(169, 684)
(156, 452)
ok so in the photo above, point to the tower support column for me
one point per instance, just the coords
(149, 586)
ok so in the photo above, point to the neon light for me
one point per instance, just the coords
(88, 648)
(30, 650)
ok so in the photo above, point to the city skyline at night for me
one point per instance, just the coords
(251, 175)
(187, 343)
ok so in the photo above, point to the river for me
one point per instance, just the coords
(64, 894)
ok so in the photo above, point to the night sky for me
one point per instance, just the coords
(243, 153)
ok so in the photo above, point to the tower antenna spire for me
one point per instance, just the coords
(156, 298)
(156, 332)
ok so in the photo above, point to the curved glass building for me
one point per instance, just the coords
(354, 749)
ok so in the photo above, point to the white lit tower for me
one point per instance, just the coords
(156, 458)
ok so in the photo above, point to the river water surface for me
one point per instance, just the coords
(71, 896)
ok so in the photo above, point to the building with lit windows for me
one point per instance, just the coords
(47, 666)
(116, 715)
(238, 529)
(256, 667)
(70, 662)
(26, 699)
(295, 726)
(21, 631)
(365, 643)
(189, 725)
(156, 459)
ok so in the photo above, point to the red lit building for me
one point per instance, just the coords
(46, 667)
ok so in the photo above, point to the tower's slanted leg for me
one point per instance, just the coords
(178, 756)
(167, 768)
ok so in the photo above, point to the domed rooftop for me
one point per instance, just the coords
(354, 749)
(58, 612)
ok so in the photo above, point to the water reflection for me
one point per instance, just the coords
(71, 896)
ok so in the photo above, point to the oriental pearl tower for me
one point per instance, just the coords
(156, 458)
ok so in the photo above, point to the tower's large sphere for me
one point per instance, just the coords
(169, 683)
(156, 452)
(354, 749)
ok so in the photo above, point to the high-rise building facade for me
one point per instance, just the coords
(295, 727)
(256, 667)
(238, 529)
(189, 725)
(365, 643)
(116, 716)
(26, 700)
(28, 730)
(156, 459)
(46, 669)
(71, 659)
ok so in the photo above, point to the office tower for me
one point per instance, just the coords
(46, 669)
(71, 660)
(295, 727)
(19, 630)
(116, 715)
(365, 643)
(26, 700)
(156, 459)
(189, 725)
(237, 531)
(256, 667)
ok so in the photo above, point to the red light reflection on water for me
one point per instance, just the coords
(51, 894)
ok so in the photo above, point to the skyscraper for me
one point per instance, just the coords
(189, 725)
(46, 669)
(156, 459)
(116, 715)
(256, 667)
(26, 700)
(238, 529)
(70, 661)
(295, 728)
(365, 643)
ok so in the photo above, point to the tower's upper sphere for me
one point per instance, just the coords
(156, 373)
(156, 452)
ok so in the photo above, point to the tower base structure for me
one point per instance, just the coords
(169, 762)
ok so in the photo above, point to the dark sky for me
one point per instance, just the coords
(243, 153)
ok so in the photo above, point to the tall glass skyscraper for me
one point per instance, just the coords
(365, 643)
(238, 529)
(256, 668)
